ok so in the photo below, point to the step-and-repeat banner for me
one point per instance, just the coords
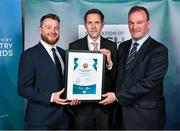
(11, 105)
(165, 28)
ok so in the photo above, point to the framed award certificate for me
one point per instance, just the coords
(84, 75)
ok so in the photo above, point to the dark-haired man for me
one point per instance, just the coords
(142, 65)
(95, 115)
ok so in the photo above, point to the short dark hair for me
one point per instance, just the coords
(51, 16)
(139, 8)
(94, 11)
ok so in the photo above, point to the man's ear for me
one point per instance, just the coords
(40, 28)
(84, 25)
(149, 23)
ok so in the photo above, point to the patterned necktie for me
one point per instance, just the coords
(95, 46)
(131, 55)
(57, 62)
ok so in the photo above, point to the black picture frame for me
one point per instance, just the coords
(79, 69)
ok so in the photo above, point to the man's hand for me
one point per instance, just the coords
(109, 98)
(75, 102)
(58, 100)
(107, 53)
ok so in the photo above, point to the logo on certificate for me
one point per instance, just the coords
(85, 65)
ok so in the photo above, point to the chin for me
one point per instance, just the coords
(136, 37)
(52, 42)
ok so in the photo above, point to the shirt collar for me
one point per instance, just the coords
(47, 46)
(91, 41)
(142, 40)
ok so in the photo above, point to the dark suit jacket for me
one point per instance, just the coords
(82, 44)
(37, 80)
(140, 90)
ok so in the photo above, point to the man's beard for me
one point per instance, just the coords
(50, 42)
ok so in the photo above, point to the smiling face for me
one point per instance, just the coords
(138, 24)
(94, 25)
(50, 31)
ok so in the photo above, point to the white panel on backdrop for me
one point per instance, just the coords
(116, 33)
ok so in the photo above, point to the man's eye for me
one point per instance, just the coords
(48, 27)
(97, 22)
(140, 22)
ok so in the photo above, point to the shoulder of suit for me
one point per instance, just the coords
(33, 48)
(156, 43)
(32, 51)
(126, 42)
(108, 41)
(77, 41)
(59, 48)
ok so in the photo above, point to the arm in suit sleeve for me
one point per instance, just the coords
(26, 81)
(152, 78)
(112, 72)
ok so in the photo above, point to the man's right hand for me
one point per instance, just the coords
(57, 98)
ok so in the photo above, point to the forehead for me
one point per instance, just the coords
(50, 21)
(137, 15)
(92, 17)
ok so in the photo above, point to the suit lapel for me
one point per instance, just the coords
(125, 53)
(102, 43)
(48, 61)
(140, 54)
(126, 50)
(84, 44)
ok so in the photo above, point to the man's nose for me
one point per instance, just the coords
(53, 30)
(93, 25)
(135, 26)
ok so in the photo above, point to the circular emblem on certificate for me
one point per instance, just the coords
(85, 65)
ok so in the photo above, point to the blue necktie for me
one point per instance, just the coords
(57, 62)
(131, 55)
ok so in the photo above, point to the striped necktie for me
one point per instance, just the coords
(95, 46)
(131, 55)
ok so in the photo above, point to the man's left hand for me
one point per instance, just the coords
(109, 98)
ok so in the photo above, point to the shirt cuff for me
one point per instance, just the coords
(52, 97)
(109, 67)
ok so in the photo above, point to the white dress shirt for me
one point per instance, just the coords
(90, 41)
(91, 47)
(48, 49)
(140, 42)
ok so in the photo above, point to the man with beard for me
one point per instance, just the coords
(41, 79)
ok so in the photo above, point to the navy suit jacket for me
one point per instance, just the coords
(109, 85)
(140, 90)
(37, 80)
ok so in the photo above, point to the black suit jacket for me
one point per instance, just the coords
(82, 44)
(37, 80)
(140, 90)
